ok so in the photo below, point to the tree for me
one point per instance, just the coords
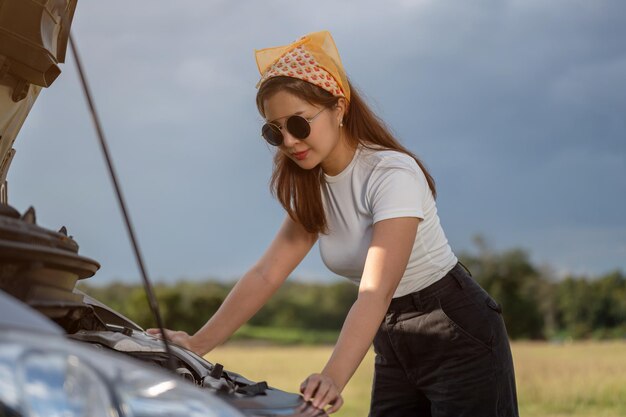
(515, 283)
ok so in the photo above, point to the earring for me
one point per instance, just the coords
(341, 124)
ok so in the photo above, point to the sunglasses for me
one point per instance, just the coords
(299, 127)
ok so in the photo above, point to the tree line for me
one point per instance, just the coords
(535, 305)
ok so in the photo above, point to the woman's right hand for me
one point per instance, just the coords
(177, 337)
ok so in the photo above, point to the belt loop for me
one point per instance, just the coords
(456, 275)
(466, 268)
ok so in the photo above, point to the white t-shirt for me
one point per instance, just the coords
(379, 185)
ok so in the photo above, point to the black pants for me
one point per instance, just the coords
(444, 352)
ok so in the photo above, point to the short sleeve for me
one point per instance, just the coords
(396, 188)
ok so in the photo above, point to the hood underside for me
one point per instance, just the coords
(33, 41)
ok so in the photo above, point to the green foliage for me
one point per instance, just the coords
(317, 309)
(286, 335)
(514, 282)
(308, 306)
(593, 308)
(535, 306)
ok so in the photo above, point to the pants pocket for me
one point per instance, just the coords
(473, 319)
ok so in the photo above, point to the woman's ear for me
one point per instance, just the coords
(341, 109)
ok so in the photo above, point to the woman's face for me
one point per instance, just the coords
(325, 145)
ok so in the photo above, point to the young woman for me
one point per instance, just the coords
(440, 342)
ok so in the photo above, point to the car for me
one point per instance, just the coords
(42, 373)
(63, 353)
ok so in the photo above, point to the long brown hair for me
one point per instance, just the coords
(298, 190)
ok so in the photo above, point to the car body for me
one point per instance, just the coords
(61, 351)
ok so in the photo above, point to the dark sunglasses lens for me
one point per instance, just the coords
(299, 127)
(271, 134)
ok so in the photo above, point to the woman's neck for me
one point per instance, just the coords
(340, 157)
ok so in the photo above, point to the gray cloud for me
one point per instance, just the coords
(516, 107)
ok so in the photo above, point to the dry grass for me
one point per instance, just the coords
(579, 379)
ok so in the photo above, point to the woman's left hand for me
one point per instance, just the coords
(321, 390)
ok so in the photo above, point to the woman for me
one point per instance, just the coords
(440, 342)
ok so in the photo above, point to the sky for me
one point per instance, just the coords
(515, 106)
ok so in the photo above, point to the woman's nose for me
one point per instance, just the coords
(288, 139)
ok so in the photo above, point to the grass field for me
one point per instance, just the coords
(578, 379)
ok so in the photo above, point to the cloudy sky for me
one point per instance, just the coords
(516, 106)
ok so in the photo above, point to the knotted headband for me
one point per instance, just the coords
(312, 58)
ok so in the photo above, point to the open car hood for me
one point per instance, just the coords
(33, 41)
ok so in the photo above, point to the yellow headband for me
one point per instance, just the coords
(313, 58)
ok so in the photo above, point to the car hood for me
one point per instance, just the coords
(12, 116)
(33, 41)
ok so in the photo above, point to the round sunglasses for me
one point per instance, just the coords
(299, 127)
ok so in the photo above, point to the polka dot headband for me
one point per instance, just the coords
(313, 58)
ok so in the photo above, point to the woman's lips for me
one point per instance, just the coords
(300, 155)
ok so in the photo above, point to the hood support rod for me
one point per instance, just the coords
(129, 227)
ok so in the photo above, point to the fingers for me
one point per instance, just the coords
(157, 333)
(321, 391)
(336, 405)
(154, 332)
(331, 397)
(303, 385)
(325, 394)
(311, 384)
(307, 410)
(179, 337)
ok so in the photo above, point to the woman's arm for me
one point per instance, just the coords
(387, 258)
(288, 248)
